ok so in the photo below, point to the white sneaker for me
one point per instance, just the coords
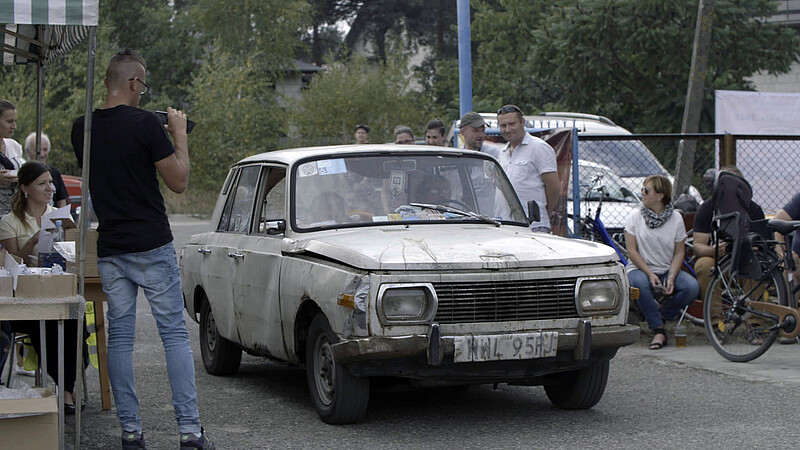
(26, 373)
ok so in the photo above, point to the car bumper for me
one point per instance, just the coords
(576, 345)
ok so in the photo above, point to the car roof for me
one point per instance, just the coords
(587, 124)
(290, 156)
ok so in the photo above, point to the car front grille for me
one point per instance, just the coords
(506, 300)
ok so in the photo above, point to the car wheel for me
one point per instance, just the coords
(579, 389)
(338, 396)
(220, 356)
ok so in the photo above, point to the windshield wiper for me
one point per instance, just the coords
(450, 209)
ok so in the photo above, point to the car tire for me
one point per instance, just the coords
(579, 389)
(220, 356)
(338, 396)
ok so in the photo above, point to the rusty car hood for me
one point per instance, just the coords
(446, 247)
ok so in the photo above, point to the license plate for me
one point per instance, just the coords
(498, 347)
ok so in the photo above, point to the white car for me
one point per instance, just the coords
(619, 202)
(413, 262)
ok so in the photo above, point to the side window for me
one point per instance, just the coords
(226, 211)
(240, 201)
(273, 206)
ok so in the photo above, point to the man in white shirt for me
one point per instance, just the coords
(530, 164)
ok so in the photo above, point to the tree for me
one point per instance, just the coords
(233, 95)
(626, 59)
(354, 92)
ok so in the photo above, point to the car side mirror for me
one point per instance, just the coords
(276, 226)
(627, 192)
(533, 211)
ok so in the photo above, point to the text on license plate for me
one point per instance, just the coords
(497, 347)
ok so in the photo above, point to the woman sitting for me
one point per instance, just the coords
(19, 233)
(654, 238)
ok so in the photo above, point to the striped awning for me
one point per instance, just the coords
(43, 30)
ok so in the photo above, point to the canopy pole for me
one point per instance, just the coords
(84, 217)
(87, 147)
(464, 57)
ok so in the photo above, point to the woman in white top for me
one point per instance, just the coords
(19, 234)
(10, 155)
(654, 238)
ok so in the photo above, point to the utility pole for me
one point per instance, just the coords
(694, 94)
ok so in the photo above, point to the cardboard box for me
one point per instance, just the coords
(39, 431)
(6, 286)
(90, 268)
(31, 286)
(74, 234)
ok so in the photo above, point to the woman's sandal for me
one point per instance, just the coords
(658, 345)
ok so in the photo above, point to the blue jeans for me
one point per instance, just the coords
(686, 290)
(156, 272)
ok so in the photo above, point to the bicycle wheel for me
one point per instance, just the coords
(738, 332)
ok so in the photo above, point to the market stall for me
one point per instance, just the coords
(39, 32)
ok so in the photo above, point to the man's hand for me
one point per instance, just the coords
(654, 280)
(7, 177)
(176, 121)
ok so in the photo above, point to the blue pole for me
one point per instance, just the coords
(464, 58)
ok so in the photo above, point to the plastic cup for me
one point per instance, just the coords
(680, 336)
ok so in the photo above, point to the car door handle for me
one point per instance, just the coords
(203, 251)
(235, 255)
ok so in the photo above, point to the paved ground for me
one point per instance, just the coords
(780, 364)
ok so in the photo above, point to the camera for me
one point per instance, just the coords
(162, 116)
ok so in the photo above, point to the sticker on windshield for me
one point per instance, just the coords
(307, 169)
(331, 166)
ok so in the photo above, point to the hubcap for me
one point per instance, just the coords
(211, 333)
(324, 370)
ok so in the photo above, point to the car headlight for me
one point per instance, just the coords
(598, 295)
(406, 303)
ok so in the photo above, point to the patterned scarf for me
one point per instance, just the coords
(654, 220)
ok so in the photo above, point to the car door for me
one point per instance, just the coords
(221, 250)
(257, 274)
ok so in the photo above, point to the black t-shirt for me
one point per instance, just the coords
(702, 220)
(123, 180)
(61, 189)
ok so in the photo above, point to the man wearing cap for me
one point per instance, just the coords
(530, 164)
(362, 134)
(473, 129)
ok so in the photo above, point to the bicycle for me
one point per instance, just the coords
(749, 301)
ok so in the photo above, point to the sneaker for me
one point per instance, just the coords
(25, 373)
(132, 440)
(754, 336)
(787, 341)
(189, 440)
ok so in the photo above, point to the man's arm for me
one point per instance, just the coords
(174, 169)
(703, 247)
(551, 189)
(782, 215)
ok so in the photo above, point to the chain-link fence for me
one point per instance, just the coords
(770, 163)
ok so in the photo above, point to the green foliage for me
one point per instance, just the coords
(354, 92)
(235, 116)
(625, 59)
(233, 95)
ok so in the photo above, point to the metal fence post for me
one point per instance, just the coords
(727, 155)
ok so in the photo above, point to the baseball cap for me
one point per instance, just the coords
(472, 119)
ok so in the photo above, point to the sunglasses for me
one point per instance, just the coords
(646, 190)
(508, 109)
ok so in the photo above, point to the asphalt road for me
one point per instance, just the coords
(675, 398)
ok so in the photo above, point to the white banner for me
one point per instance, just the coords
(771, 167)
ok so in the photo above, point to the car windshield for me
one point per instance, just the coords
(625, 158)
(358, 190)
